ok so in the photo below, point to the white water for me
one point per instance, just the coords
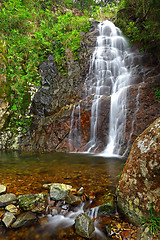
(108, 76)
(59, 221)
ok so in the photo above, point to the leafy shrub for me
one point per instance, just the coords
(139, 20)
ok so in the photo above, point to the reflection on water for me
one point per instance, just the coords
(26, 173)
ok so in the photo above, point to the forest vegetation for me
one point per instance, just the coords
(32, 30)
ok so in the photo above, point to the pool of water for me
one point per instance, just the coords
(24, 173)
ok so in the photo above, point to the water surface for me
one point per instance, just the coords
(24, 173)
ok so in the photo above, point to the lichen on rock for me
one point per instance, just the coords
(141, 176)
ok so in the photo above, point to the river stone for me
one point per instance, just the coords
(140, 181)
(12, 208)
(8, 219)
(3, 189)
(33, 202)
(80, 191)
(84, 225)
(105, 209)
(59, 191)
(73, 200)
(7, 199)
(24, 219)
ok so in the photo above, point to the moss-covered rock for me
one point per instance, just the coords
(139, 183)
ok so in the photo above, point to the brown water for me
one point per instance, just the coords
(24, 173)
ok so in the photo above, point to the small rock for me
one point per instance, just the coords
(8, 219)
(12, 208)
(108, 229)
(84, 225)
(7, 199)
(73, 200)
(59, 191)
(47, 185)
(55, 211)
(24, 219)
(3, 189)
(105, 209)
(80, 191)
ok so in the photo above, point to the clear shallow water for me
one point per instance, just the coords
(24, 173)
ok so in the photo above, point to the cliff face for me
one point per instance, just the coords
(139, 184)
(53, 103)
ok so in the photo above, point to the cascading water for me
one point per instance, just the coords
(108, 76)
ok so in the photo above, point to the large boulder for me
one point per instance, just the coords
(139, 187)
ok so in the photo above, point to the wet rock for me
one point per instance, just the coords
(139, 183)
(33, 202)
(80, 191)
(55, 210)
(8, 219)
(47, 185)
(12, 209)
(59, 191)
(24, 219)
(84, 226)
(73, 200)
(7, 198)
(105, 210)
(3, 189)
(109, 229)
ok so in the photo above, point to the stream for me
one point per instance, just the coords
(24, 173)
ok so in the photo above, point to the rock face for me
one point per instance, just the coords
(53, 103)
(139, 184)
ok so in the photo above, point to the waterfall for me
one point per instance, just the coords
(108, 76)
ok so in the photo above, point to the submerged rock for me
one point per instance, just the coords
(84, 226)
(139, 187)
(7, 198)
(59, 191)
(24, 219)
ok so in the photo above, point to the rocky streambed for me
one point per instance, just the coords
(63, 207)
(62, 213)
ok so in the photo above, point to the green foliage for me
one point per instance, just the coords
(67, 35)
(153, 221)
(157, 94)
(139, 20)
(28, 29)
(99, 13)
